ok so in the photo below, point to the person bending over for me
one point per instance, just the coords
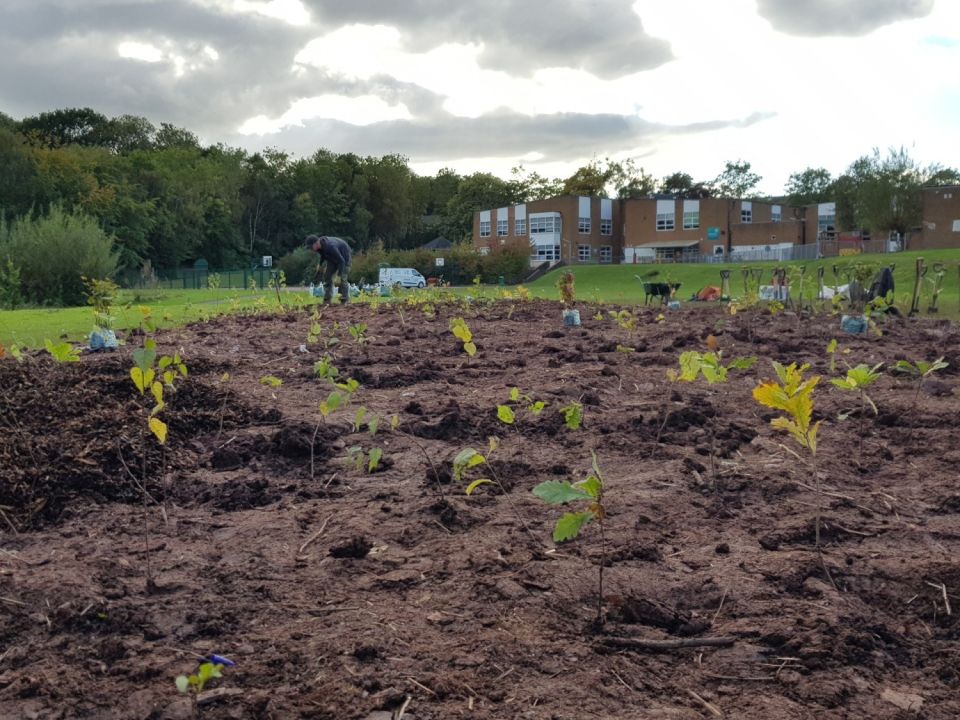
(336, 254)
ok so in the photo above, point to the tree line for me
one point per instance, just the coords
(163, 196)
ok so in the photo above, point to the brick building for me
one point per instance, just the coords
(940, 226)
(580, 230)
(569, 227)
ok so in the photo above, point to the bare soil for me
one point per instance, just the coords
(349, 594)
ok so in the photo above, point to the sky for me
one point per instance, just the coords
(675, 85)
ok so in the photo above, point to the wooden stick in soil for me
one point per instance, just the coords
(146, 516)
(816, 523)
(659, 645)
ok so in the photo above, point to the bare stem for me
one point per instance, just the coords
(313, 441)
(603, 561)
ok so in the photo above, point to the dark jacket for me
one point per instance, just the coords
(335, 251)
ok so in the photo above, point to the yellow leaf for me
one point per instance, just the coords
(136, 374)
(157, 390)
(159, 428)
(470, 348)
(477, 483)
(770, 395)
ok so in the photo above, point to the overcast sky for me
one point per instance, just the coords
(678, 85)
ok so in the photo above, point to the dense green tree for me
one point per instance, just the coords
(531, 185)
(19, 182)
(736, 180)
(812, 185)
(478, 191)
(72, 126)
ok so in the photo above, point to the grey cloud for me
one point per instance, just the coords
(58, 55)
(839, 17)
(500, 134)
(604, 37)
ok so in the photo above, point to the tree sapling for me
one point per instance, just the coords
(589, 491)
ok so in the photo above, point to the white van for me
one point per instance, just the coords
(405, 277)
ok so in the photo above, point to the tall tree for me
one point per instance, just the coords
(72, 126)
(480, 191)
(531, 185)
(812, 185)
(736, 180)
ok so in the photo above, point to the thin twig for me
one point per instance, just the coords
(714, 710)
(313, 537)
(403, 708)
(722, 598)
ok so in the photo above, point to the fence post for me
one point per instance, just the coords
(921, 271)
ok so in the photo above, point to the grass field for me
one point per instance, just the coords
(169, 308)
(617, 283)
(607, 283)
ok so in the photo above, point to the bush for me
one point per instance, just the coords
(10, 296)
(55, 251)
(299, 266)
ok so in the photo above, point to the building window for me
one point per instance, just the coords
(520, 227)
(826, 223)
(666, 221)
(501, 227)
(606, 253)
(746, 215)
(484, 228)
(484, 250)
(606, 227)
(776, 217)
(583, 253)
(548, 224)
(583, 225)
(691, 220)
(543, 253)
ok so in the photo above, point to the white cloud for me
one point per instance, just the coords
(140, 51)
(211, 53)
(364, 110)
(290, 11)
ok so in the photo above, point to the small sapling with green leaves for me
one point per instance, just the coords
(857, 380)
(62, 352)
(709, 365)
(506, 413)
(920, 370)
(572, 415)
(358, 332)
(198, 681)
(588, 491)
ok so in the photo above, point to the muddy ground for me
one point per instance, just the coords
(351, 594)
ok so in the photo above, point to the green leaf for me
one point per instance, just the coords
(742, 363)
(592, 486)
(477, 483)
(572, 415)
(505, 414)
(358, 418)
(538, 407)
(136, 374)
(183, 683)
(470, 349)
(466, 459)
(374, 459)
(164, 362)
(514, 394)
(832, 346)
(557, 492)
(568, 526)
(373, 425)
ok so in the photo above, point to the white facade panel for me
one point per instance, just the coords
(691, 206)
(666, 207)
(484, 216)
(584, 210)
(520, 212)
(606, 209)
(503, 213)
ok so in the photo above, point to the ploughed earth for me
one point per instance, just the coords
(341, 593)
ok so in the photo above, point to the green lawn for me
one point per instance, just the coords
(608, 283)
(30, 327)
(617, 284)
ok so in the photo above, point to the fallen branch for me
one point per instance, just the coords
(657, 645)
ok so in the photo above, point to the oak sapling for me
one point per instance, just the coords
(205, 673)
(793, 396)
(710, 365)
(857, 380)
(920, 370)
(461, 331)
(568, 526)
(468, 459)
(62, 352)
(358, 332)
(508, 416)
(572, 415)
